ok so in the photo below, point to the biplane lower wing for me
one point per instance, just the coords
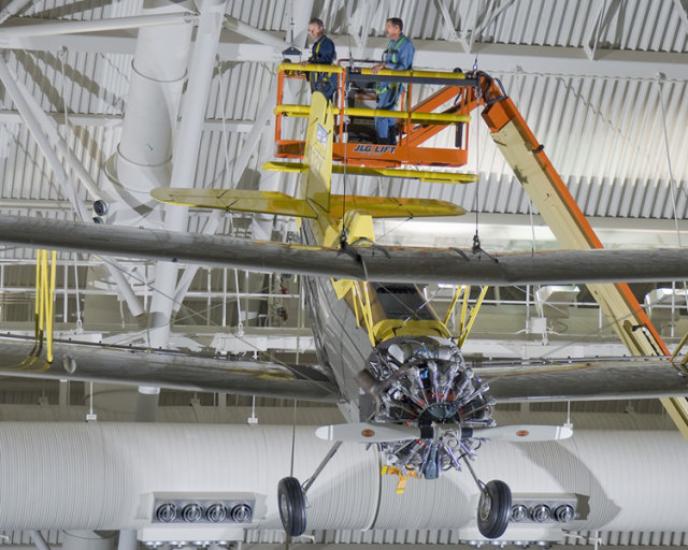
(166, 369)
(584, 379)
(603, 379)
(378, 263)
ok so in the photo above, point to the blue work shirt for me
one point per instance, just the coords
(398, 57)
(399, 54)
(323, 53)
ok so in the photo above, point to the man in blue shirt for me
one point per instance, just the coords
(322, 53)
(399, 57)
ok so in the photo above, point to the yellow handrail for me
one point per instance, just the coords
(311, 68)
(335, 69)
(441, 75)
(440, 118)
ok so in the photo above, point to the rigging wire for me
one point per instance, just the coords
(476, 200)
(225, 138)
(345, 137)
(532, 228)
(672, 181)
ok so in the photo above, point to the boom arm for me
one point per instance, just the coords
(558, 208)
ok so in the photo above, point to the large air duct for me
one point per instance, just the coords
(145, 150)
(99, 476)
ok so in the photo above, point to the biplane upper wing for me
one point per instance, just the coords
(372, 263)
(584, 379)
(19, 356)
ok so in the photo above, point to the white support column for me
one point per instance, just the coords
(145, 150)
(185, 158)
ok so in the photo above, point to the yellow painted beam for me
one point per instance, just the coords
(335, 69)
(311, 68)
(444, 75)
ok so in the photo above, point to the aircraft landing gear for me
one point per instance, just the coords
(291, 497)
(494, 509)
(494, 506)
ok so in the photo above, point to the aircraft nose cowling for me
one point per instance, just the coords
(424, 382)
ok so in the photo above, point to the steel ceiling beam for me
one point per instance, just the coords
(437, 54)
(27, 27)
(10, 116)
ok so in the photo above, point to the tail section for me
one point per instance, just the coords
(317, 177)
(331, 213)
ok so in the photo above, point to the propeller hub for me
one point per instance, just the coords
(424, 381)
(442, 412)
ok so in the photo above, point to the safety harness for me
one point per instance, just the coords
(391, 55)
(318, 77)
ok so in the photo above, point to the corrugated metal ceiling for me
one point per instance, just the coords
(604, 135)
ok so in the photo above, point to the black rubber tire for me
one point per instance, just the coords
(291, 503)
(494, 509)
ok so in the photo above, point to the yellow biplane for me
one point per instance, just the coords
(385, 355)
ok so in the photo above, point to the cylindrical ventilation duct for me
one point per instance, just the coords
(98, 476)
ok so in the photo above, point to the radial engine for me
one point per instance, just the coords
(424, 382)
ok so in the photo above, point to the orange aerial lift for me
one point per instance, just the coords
(449, 107)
